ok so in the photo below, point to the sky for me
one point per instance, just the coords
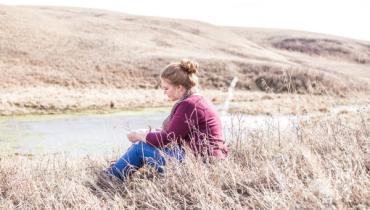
(346, 18)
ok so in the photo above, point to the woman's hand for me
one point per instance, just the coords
(135, 136)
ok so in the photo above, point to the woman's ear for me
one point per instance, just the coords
(178, 87)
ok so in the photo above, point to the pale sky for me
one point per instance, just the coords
(348, 18)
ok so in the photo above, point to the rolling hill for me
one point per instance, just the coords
(75, 48)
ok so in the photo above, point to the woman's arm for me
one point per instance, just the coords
(178, 126)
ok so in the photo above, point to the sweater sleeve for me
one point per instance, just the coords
(178, 126)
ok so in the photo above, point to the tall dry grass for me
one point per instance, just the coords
(323, 163)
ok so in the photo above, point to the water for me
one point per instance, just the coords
(73, 134)
(99, 134)
(92, 134)
(96, 134)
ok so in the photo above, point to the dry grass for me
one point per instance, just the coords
(53, 100)
(82, 48)
(58, 100)
(256, 103)
(323, 164)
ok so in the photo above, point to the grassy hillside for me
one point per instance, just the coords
(73, 47)
(55, 59)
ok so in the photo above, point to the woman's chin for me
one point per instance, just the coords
(168, 99)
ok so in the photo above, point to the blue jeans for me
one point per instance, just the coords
(142, 153)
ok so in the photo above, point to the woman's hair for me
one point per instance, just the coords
(183, 73)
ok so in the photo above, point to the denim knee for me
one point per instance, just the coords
(155, 159)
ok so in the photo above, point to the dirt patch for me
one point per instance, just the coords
(325, 47)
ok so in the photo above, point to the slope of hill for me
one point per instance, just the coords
(75, 48)
(79, 47)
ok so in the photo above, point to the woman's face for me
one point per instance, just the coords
(173, 92)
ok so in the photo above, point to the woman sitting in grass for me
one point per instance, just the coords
(193, 123)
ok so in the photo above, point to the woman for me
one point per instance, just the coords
(193, 122)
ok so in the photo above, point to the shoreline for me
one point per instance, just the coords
(61, 101)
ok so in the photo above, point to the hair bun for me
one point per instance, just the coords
(189, 66)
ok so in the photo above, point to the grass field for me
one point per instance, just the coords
(323, 164)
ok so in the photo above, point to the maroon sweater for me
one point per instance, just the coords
(195, 123)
